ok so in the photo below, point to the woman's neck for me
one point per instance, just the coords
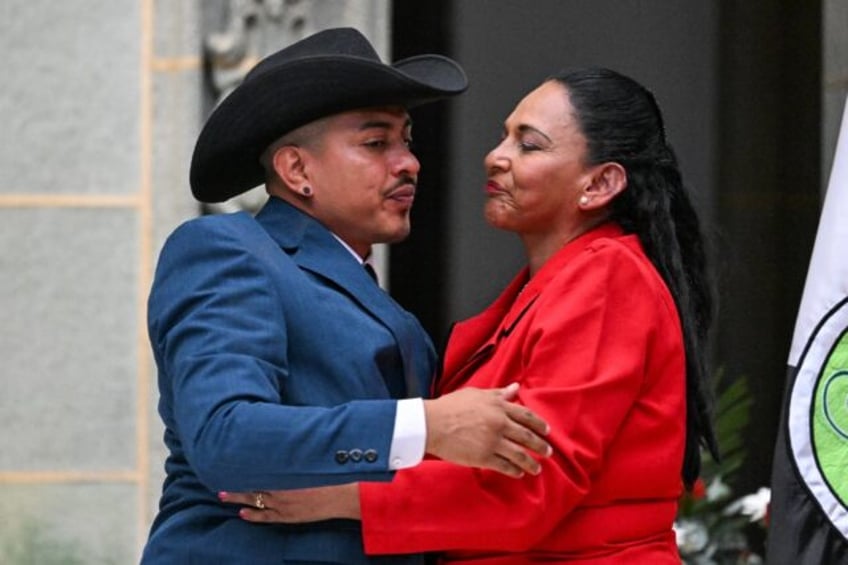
(542, 246)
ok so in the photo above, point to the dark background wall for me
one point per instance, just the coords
(769, 179)
(740, 86)
(508, 48)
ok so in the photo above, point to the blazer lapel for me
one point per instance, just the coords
(474, 341)
(313, 248)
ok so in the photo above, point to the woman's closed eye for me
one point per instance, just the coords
(528, 146)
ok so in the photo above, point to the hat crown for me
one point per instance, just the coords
(335, 42)
(332, 71)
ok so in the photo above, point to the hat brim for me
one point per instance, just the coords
(225, 162)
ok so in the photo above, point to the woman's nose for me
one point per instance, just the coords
(495, 159)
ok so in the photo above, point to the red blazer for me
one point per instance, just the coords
(595, 341)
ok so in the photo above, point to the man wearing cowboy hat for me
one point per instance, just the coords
(280, 360)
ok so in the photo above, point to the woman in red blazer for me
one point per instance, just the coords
(605, 332)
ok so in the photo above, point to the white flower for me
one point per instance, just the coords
(691, 536)
(754, 505)
(717, 490)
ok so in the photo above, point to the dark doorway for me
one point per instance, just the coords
(417, 266)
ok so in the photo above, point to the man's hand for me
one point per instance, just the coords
(483, 428)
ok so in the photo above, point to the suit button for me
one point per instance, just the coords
(370, 455)
(341, 457)
(356, 455)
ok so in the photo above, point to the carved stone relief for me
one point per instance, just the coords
(254, 29)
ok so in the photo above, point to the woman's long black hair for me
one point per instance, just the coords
(623, 123)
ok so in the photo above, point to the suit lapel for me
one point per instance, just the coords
(313, 248)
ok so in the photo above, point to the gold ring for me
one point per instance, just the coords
(260, 504)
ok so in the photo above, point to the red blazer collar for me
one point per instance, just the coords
(470, 337)
(559, 259)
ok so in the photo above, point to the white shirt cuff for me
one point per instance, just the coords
(410, 434)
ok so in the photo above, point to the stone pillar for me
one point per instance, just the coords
(74, 209)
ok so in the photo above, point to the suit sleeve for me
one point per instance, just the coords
(221, 351)
(582, 368)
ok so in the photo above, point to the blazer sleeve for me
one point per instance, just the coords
(221, 351)
(582, 367)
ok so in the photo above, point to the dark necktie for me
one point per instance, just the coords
(371, 272)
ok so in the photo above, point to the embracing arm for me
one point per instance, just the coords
(584, 363)
(216, 329)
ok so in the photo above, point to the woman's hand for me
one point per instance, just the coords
(297, 506)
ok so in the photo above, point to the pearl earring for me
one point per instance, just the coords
(583, 200)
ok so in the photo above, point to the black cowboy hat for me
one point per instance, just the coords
(326, 73)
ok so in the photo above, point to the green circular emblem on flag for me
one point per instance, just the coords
(830, 419)
(818, 415)
(811, 488)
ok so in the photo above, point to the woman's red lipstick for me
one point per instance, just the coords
(493, 188)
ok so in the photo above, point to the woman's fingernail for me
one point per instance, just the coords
(222, 495)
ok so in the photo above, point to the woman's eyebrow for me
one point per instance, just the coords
(525, 128)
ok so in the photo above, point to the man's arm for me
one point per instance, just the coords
(472, 427)
(222, 397)
(483, 428)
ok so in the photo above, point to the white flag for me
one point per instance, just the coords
(809, 511)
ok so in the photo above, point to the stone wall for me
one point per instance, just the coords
(101, 103)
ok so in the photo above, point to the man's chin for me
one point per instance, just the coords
(396, 236)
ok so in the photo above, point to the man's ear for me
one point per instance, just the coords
(290, 165)
(608, 179)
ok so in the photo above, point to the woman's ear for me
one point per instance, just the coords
(608, 179)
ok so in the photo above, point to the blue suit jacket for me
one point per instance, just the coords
(278, 359)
